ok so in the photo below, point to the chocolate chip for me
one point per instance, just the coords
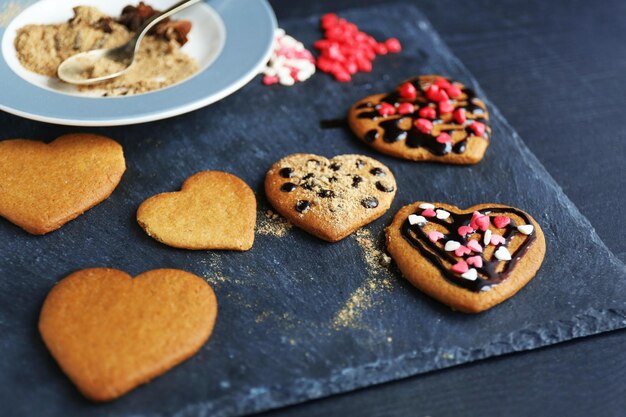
(307, 186)
(307, 176)
(304, 205)
(378, 172)
(326, 193)
(384, 187)
(356, 180)
(288, 187)
(369, 202)
(335, 166)
(286, 172)
(371, 135)
(332, 179)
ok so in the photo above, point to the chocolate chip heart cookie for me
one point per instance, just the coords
(110, 332)
(43, 186)
(213, 210)
(426, 118)
(468, 259)
(330, 198)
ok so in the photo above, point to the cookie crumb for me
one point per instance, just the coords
(273, 224)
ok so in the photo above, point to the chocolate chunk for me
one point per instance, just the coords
(384, 187)
(304, 205)
(286, 172)
(335, 166)
(377, 172)
(356, 180)
(332, 179)
(308, 176)
(326, 193)
(288, 187)
(369, 202)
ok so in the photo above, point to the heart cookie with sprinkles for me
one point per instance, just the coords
(426, 118)
(110, 332)
(330, 198)
(468, 259)
(213, 210)
(43, 186)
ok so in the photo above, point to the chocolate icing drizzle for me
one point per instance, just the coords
(392, 130)
(488, 274)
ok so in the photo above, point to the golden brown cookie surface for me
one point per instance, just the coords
(469, 259)
(426, 118)
(330, 198)
(110, 332)
(43, 186)
(213, 210)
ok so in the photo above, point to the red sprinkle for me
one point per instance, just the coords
(443, 138)
(459, 116)
(428, 113)
(386, 109)
(406, 108)
(429, 213)
(465, 230)
(453, 91)
(460, 267)
(483, 223)
(424, 126)
(408, 91)
(501, 221)
(270, 79)
(475, 215)
(445, 107)
(462, 250)
(441, 82)
(393, 45)
(476, 261)
(478, 128)
(474, 246)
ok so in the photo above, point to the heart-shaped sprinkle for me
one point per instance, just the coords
(501, 221)
(426, 206)
(474, 246)
(483, 222)
(487, 237)
(476, 261)
(465, 230)
(462, 250)
(429, 213)
(451, 245)
(442, 214)
(415, 219)
(460, 267)
(503, 254)
(471, 274)
(526, 229)
(497, 239)
(443, 138)
(434, 236)
(475, 215)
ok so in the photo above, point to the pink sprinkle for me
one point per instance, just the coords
(483, 222)
(386, 109)
(393, 45)
(423, 125)
(434, 93)
(434, 236)
(475, 215)
(441, 82)
(445, 107)
(501, 221)
(462, 250)
(406, 108)
(465, 230)
(443, 138)
(429, 213)
(460, 267)
(474, 246)
(459, 116)
(478, 128)
(497, 239)
(428, 113)
(270, 79)
(476, 261)
(453, 91)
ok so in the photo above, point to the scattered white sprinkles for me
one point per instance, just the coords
(290, 62)
(427, 206)
(451, 245)
(526, 229)
(471, 274)
(442, 214)
(487, 237)
(503, 254)
(415, 219)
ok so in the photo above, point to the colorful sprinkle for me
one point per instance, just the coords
(434, 236)
(471, 274)
(386, 109)
(453, 91)
(487, 237)
(451, 245)
(465, 230)
(445, 106)
(289, 63)
(478, 128)
(429, 213)
(476, 261)
(444, 138)
(497, 240)
(424, 125)
(526, 229)
(442, 214)
(503, 254)
(408, 91)
(415, 219)
(460, 267)
(501, 221)
(474, 246)
(406, 108)
(462, 250)
(427, 206)
(427, 113)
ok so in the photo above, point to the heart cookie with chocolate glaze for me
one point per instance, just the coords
(213, 210)
(426, 118)
(43, 186)
(468, 259)
(110, 332)
(330, 198)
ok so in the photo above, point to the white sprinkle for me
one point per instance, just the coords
(526, 228)
(415, 219)
(487, 288)
(487, 237)
(471, 274)
(442, 214)
(427, 206)
(286, 79)
(452, 245)
(503, 254)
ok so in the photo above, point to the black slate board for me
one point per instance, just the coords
(274, 342)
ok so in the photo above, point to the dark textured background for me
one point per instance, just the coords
(528, 56)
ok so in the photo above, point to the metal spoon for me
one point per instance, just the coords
(74, 68)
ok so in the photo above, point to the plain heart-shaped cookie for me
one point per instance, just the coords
(426, 118)
(330, 198)
(43, 186)
(468, 259)
(110, 332)
(213, 210)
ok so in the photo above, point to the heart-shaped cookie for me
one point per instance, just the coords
(330, 198)
(213, 210)
(43, 186)
(426, 118)
(110, 332)
(468, 259)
